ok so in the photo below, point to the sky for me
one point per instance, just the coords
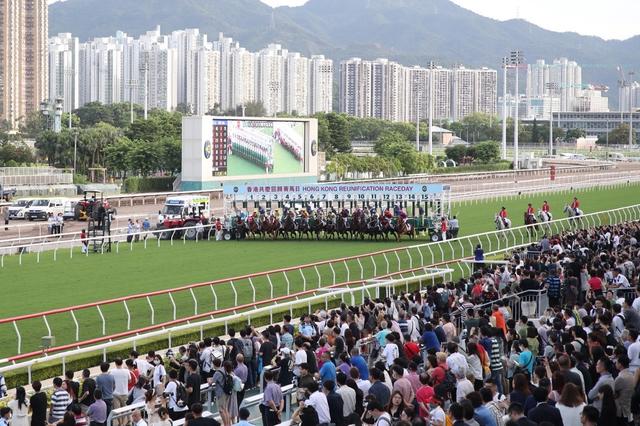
(610, 19)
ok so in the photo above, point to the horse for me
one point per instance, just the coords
(304, 228)
(374, 228)
(317, 225)
(342, 227)
(240, 229)
(289, 227)
(570, 212)
(386, 228)
(330, 227)
(545, 218)
(502, 223)
(530, 219)
(253, 227)
(405, 228)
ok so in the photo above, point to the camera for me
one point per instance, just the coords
(166, 395)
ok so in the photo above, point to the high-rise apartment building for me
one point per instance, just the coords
(101, 71)
(64, 51)
(296, 93)
(24, 60)
(562, 79)
(203, 80)
(388, 90)
(321, 84)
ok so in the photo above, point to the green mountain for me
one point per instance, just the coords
(409, 31)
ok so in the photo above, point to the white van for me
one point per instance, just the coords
(41, 207)
(19, 208)
(616, 156)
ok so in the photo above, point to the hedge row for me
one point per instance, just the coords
(134, 185)
(492, 167)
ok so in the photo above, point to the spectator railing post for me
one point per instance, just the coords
(235, 294)
(361, 271)
(439, 244)
(153, 312)
(333, 273)
(319, 277)
(398, 257)
(270, 285)
(15, 326)
(253, 288)
(173, 305)
(75, 322)
(215, 297)
(195, 300)
(375, 266)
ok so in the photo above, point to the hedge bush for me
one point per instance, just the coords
(493, 167)
(136, 184)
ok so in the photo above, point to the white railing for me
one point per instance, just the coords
(283, 283)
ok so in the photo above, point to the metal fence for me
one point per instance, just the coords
(122, 316)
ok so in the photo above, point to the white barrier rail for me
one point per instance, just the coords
(392, 261)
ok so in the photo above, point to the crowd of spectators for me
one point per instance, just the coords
(549, 338)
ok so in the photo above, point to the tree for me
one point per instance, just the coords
(338, 132)
(390, 144)
(535, 132)
(16, 153)
(144, 157)
(324, 136)
(618, 136)
(456, 153)
(487, 152)
(573, 134)
(33, 125)
(170, 154)
(116, 156)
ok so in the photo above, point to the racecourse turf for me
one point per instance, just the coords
(35, 287)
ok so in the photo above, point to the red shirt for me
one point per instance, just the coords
(575, 204)
(133, 378)
(545, 208)
(424, 395)
(503, 214)
(443, 226)
(595, 283)
(530, 210)
(438, 374)
(411, 349)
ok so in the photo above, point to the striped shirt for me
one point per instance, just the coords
(496, 359)
(60, 400)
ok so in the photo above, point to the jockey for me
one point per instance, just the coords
(530, 210)
(575, 205)
(388, 214)
(545, 207)
(503, 215)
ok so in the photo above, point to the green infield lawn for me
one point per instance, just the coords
(35, 287)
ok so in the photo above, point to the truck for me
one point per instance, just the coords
(41, 208)
(184, 211)
(7, 193)
(19, 207)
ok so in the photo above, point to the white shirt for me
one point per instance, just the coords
(621, 281)
(172, 390)
(348, 400)
(141, 423)
(634, 356)
(390, 353)
(158, 374)
(121, 378)
(636, 304)
(318, 400)
(383, 420)
(363, 385)
(437, 416)
(205, 359)
(142, 365)
(570, 415)
(301, 358)
(463, 388)
(457, 363)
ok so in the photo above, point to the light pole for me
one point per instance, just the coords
(132, 84)
(75, 149)
(417, 119)
(52, 110)
(431, 74)
(144, 68)
(505, 65)
(551, 87)
(516, 59)
(631, 75)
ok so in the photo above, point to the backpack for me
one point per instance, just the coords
(181, 395)
(227, 386)
(248, 349)
(449, 382)
(237, 347)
